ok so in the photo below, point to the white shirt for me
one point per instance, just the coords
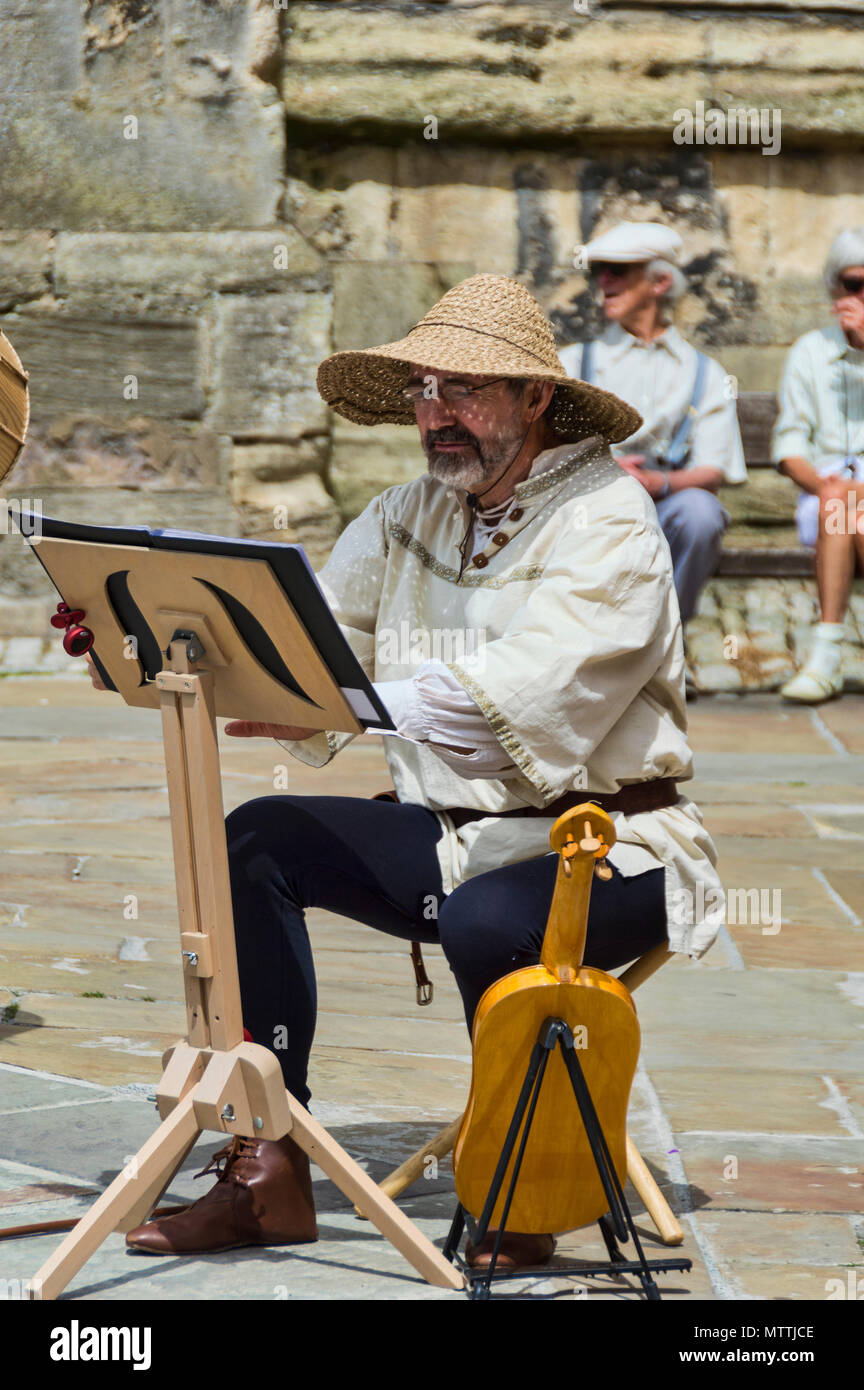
(579, 674)
(657, 379)
(821, 399)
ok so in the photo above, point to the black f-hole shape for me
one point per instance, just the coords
(254, 636)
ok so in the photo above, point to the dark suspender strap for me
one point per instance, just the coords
(677, 451)
(586, 364)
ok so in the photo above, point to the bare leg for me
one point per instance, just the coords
(836, 546)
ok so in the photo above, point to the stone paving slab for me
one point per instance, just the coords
(801, 1172)
(753, 1054)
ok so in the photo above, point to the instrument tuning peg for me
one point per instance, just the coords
(589, 843)
(602, 870)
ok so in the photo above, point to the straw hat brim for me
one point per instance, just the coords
(365, 385)
(14, 406)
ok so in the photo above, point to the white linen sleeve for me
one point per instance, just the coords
(434, 708)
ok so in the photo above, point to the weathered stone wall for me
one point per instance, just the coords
(199, 199)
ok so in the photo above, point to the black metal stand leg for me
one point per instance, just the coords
(603, 1159)
(594, 1132)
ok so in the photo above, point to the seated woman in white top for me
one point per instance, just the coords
(819, 444)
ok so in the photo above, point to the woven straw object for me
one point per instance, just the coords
(488, 325)
(14, 406)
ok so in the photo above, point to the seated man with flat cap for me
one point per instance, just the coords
(688, 443)
(525, 538)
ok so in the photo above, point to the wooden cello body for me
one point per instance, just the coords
(559, 1188)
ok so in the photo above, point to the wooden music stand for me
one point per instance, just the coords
(213, 1080)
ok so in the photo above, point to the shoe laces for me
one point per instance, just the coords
(223, 1161)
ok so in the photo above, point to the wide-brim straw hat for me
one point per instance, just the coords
(488, 325)
(14, 406)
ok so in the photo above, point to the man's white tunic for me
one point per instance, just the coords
(567, 635)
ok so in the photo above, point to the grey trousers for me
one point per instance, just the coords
(693, 522)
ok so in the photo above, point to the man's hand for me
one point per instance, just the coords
(96, 679)
(653, 482)
(849, 312)
(248, 728)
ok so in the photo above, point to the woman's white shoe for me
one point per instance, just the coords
(811, 687)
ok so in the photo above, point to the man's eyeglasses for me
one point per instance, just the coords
(448, 391)
(852, 284)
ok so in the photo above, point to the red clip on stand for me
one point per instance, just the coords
(77, 640)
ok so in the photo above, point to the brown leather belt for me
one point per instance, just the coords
(639, 796)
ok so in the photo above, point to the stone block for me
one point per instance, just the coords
(274, 462)
(342, 199)
(378, 303)
(704, 646)
(300, 512)
(453, 203)
(266, 354)
(83, 164)
(501, 69)
(114, 369)
(366, 460)
(149, 454)
(196, 29)
(35, 56)
(123, 46)
(25, 265)
(815, 193)
(744, 194)
(808, 80)
(785, 307)
(138, 269)
(719, 677)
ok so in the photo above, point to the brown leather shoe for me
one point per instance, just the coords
(517, 1251)
(262, 1196)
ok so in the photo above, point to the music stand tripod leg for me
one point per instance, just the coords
(154, 1163)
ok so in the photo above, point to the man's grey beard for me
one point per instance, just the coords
(470, 474)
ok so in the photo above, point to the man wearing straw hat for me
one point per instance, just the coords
(525, 535)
